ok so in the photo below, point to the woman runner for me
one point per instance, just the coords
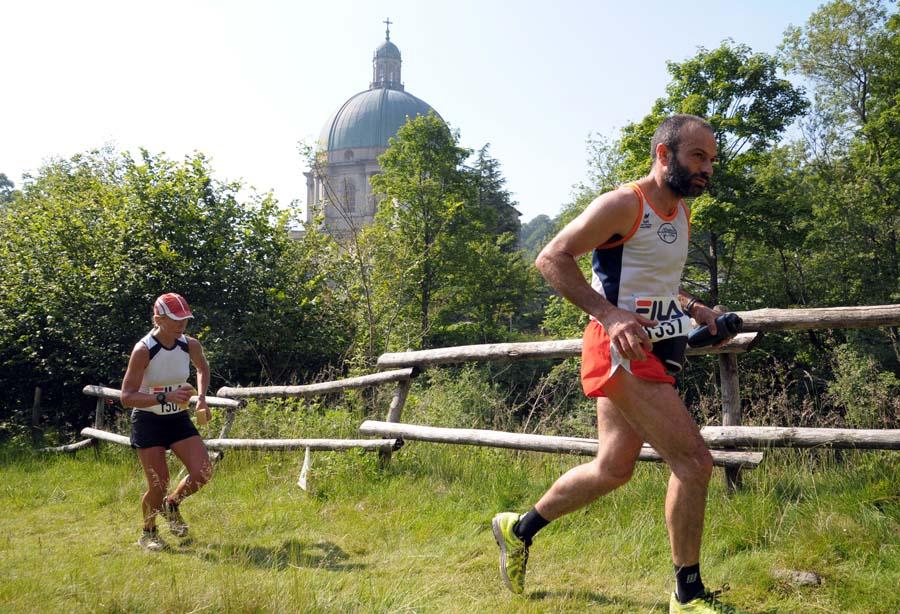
(155, 385)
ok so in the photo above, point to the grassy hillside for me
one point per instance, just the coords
(416, 537)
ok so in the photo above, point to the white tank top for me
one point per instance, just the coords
(168, 368)
(647, 262)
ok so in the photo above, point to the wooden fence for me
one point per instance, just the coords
(730, 435)
(229, 398)
(104, 394)
(400, 377)
(407, 365)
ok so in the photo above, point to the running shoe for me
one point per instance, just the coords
(707, 603)
(151, 541)
(177, 525)
(513, 551)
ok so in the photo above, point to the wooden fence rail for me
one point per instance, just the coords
(311, 390)
(532, 350)
(101, 435)
(303, 444)
(71, 447)
(761, 437)
(529, 442)
(265, 444)
(866, 316)
(115, 394)
(797, 437)
(759, 320)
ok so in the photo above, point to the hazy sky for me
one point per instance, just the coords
(243, 81)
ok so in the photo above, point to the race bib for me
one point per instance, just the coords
(666, 310)
(166, 408)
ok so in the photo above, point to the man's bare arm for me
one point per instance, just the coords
(608, 215)
(611, 214)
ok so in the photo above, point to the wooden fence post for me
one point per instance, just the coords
(398, 401)
(100, 413)
(394, 411)
(99, 419)
(731, 406)
(215, 457)
(36, 418)
(731, 409)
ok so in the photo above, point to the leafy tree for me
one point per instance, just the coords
(424, 193)
(606, 165)
(841, 49)
(851, 51)
(770, 267)
(485, 296)
(440, 270)
(94, 239)
(749, 106)
(491, 194)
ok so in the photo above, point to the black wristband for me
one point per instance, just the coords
(690, 305)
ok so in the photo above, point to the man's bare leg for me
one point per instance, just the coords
(659, 417)
(635, 411)
(619, 446)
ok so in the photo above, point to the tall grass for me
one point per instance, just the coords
(414, 536)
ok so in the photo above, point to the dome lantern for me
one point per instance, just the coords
(386, 63)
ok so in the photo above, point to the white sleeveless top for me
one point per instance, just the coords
(167, 369)
(647, 262)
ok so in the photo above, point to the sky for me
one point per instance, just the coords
(244, 82)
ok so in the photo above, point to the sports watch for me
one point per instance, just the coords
(161, 398)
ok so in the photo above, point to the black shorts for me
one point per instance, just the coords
(149, 430)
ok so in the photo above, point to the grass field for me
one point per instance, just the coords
(415, 537)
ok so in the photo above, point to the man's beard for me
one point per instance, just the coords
(681, 181)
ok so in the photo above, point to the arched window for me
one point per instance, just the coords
(349, 195)
(348, 155)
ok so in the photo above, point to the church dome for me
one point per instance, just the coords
(352, 139)
(370, 118)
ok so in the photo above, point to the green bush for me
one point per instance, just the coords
(457, 398)
(870, 396)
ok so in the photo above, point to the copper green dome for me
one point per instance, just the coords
(370, 118)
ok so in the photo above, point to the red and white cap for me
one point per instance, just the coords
(172, 305)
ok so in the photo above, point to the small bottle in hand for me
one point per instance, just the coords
(727, 326)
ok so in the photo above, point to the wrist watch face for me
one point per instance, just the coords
(161, 397)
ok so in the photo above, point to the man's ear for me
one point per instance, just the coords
(663, 153)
